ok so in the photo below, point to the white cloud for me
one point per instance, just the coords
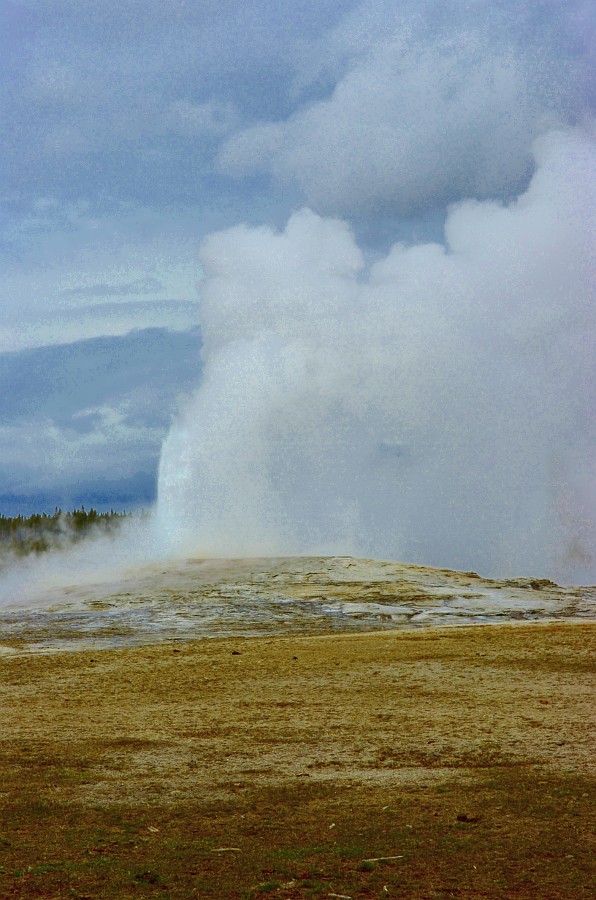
(41, 455)
(80, 273)
(210, 119)
(421, 114)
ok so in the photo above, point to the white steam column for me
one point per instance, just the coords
(437, 408)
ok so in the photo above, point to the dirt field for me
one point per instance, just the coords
(435, 763)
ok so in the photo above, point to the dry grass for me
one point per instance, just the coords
(465, 753)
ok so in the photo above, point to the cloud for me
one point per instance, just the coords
(61, 259)
(197, 120)
(418, 115)
(90, 413)
(123, 97)
(436, 408)
(147, 285)
(40, 455)
(336, 99)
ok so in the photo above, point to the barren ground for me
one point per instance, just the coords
(286, 766)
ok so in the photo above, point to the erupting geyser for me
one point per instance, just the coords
(436, 407)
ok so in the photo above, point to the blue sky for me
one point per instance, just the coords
(132, 130)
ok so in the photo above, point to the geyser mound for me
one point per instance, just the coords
(435, 408)
(193, 598)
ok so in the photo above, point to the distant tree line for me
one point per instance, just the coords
(22, 535)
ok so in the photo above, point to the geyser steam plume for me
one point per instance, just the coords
(437, 408)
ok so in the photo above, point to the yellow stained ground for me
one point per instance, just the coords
(176, 722)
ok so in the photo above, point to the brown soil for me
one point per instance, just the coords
(465, 756)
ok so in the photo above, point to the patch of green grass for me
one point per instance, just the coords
(147, 877)
(267, 887)
(511, 832)
(366, 866)
(485, 756)
(47, 867)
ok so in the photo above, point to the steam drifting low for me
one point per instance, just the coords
(435, 407)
